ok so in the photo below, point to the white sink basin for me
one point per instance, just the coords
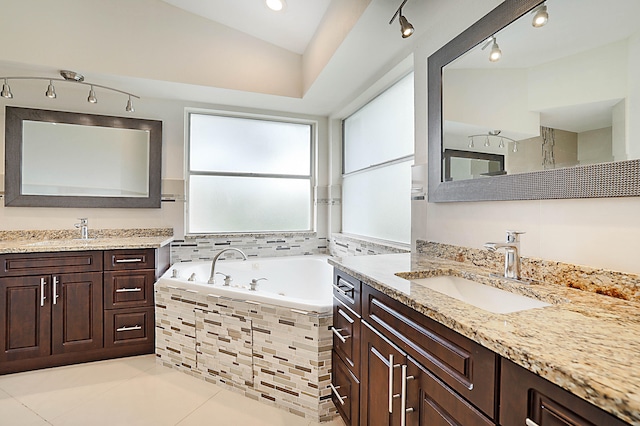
(479, 295)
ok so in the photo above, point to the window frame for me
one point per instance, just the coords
(312, 177)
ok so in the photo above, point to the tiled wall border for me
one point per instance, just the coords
(602, 281)
(205, 247)
(343, 245)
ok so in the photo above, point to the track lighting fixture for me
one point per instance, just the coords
(540, 16)
(6, 90)
(71, 77)
(487, 139)
(495, 54)
(406, 29)
(51, 91)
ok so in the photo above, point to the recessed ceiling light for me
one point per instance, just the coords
(276, 5)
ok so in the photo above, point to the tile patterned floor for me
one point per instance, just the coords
(129, 391)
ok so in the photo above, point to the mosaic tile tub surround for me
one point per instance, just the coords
(620, 285)
(279, 356)
(259, 245)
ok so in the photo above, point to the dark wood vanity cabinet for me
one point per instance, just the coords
(63, 308)
(529, 399)
(129, 319)
(394, 366)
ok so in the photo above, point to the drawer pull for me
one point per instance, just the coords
(135, 327)
(337, 331)
(135, 260)
(128, 290)
(345, 288)
(42, 296)
(334, 389)
(530, 422)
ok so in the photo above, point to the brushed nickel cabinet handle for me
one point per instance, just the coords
(43, 282)
(55, 290)
(404, 410)
(337, 331)
(128, 290)
(135, 327)
(136, 260)
(334, 389)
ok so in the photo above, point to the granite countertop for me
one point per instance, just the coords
(587, 343)
(63, 240)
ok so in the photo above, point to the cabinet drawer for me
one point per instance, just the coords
(117, 260)
(346, 335)
(347, 290)
(440, 405)
(462, 364)
(129, 327)
(525, 395)
(345, 392)
(126, 289)
(13, 265)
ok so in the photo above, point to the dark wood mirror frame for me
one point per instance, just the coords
(14, 118)
(617, 179)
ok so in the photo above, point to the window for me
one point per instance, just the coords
(377, 158)
(248, 175)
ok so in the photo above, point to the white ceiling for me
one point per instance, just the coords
(291, 28)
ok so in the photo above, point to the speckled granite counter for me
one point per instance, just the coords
(587, 343)
(64, 240)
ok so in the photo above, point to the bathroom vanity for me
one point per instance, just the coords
(70, 301)
(406, 355)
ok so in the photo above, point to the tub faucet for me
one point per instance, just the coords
(512, 254)
(84, 228)
(215, 259)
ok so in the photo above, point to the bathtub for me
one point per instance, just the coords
(297, 282)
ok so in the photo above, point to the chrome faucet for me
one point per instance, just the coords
(84, 228)
(512, 254)
(215, 259)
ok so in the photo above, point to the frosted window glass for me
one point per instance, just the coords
(382, 130)
(376, 203)
(242, 145)
(248, 204)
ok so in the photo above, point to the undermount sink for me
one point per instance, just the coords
(479, 295)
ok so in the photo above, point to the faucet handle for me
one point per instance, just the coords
(514, 236)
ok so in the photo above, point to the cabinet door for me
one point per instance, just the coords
(77, 322)
(25, 312)
(381, 380)
(430, 402)
(528, 398)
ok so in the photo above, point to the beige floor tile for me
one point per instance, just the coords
(54, 391)
(231, 409)
(13, 413)
(161, 396)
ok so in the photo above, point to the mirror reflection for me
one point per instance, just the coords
(97, 161)
(558, 95)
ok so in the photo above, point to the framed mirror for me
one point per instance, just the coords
(558, 105)
(63, 159)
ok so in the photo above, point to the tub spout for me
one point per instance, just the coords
(215, 259)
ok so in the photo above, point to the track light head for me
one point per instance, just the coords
(495, 54)
(405, 26)
(6, 90)
(129, 107)
(51, 91)
(92, 96)
(406, 29)
(540, 17)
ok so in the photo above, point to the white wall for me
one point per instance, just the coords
(172, 114)
(593, 232)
